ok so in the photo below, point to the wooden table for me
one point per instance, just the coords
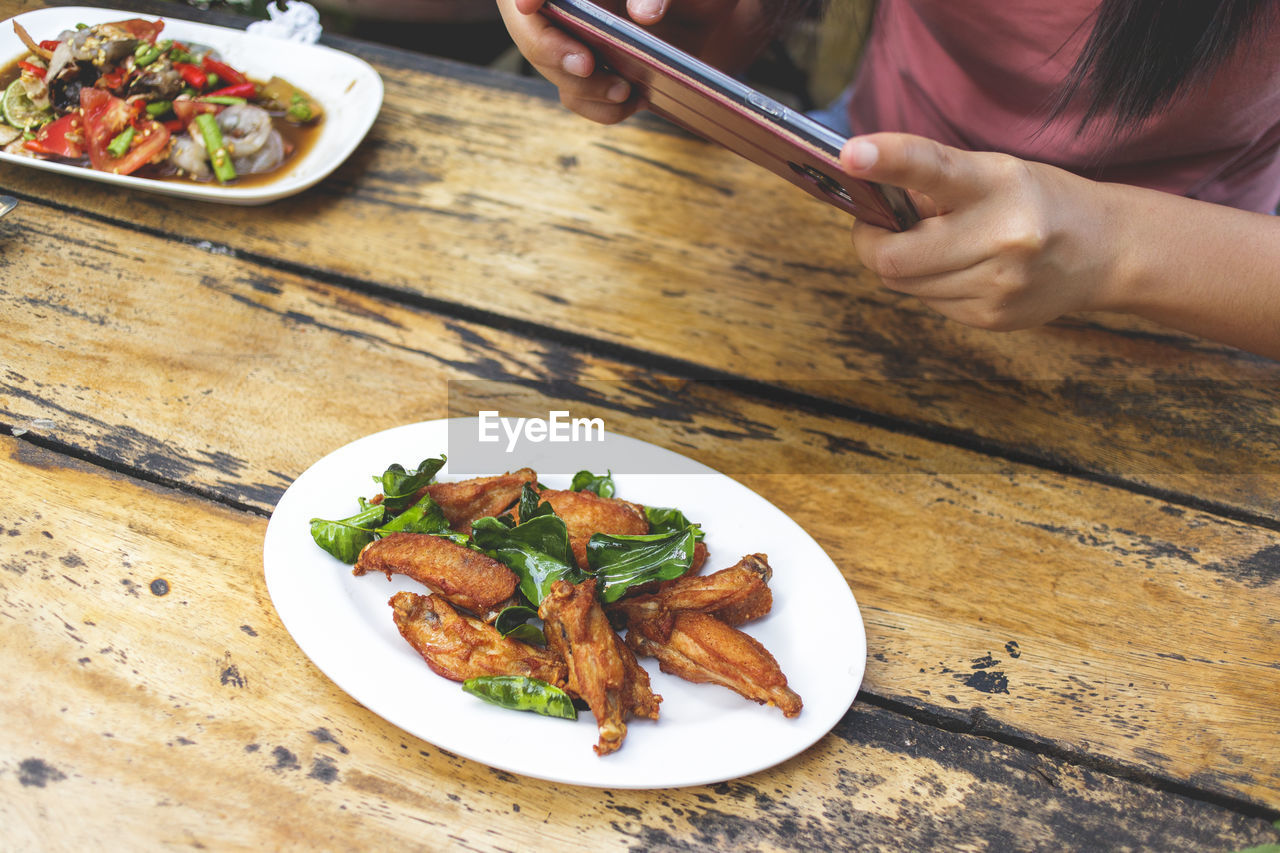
(1065, 542)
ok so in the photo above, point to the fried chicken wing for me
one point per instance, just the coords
(699, 558)
(467, 500)
(585, 513)
(734, 595)
(464, 576)
(459, 647)
(702, 649)
(598, 671)
(638, 698)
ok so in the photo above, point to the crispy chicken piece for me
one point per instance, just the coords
(699, 558)
(459, 647)
(585, 513)
(467, 500)
(734, 595)
(599, 672)
(638, 698)
(462, 575)
(702, 649)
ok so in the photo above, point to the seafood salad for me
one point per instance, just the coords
(118, 97)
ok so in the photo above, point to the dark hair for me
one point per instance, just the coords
(1142, 55)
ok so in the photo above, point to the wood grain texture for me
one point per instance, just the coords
(182, 715)
(1065, 543)
(1146, 628)
(472, 191)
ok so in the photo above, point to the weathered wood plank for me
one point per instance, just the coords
(1144, 629)
(184, 715)
(498, 201)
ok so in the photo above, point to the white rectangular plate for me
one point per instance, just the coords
(347, 87)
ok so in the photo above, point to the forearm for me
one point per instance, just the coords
(1202, 268)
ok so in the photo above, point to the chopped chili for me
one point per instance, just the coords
(240, 90)
(224, 71)
(190, 73)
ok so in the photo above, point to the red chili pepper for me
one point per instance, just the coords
(174, 125)
(193, 75)
(240, 90)
(113, 79)
(32, 69)
(225, 72)
(50, 44)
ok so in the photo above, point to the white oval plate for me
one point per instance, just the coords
(706, 733)
(347, 87)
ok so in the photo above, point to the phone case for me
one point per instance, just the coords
(710, 103)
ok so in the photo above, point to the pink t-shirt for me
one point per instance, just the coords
(981, 75)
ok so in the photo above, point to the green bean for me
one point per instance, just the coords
(146, 55)
(119, 146)
(521, 693)
(219, 157)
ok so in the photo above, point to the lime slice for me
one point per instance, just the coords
(18, 109)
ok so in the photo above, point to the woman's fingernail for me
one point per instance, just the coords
(646, 9)
(862, 154)
(577, 64)
(618, 92)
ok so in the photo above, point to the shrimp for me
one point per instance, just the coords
(265, 159)
(189, 155)
(245, 128)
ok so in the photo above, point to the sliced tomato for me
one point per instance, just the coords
(187, 109)
(105, 116)
(63, 137)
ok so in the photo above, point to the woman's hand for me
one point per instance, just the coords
(1005, 243)
(720, 32)
(1009, 244)
(566, 62)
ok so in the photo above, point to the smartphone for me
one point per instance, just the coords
(711, 104)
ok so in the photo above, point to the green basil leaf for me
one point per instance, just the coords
(345, 537)
(521, 693)
(425, 516)
(537, 550)
(528, 633)
(514, 622)
(399, 485)
(621, 563)
(588, 482)
(668, 520)
(532, 506)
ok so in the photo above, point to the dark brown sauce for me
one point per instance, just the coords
(298, 140)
